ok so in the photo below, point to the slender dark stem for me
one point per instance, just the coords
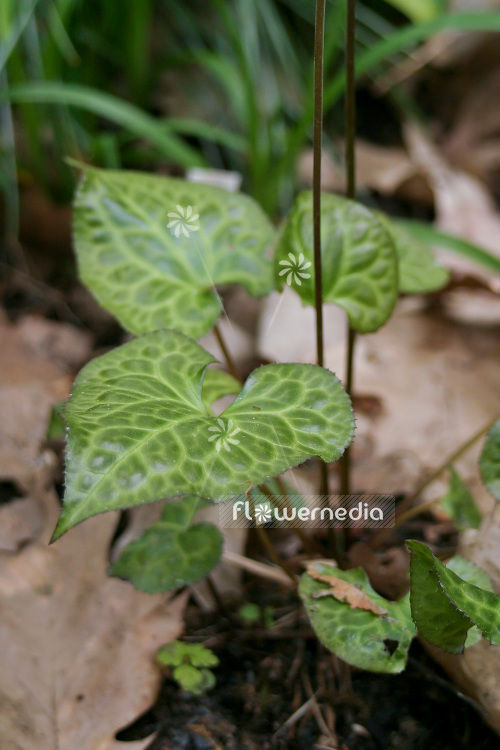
(319, 51)
(350, 155)
(307, 543)
(319, 41)
(227, 356)
(266, 542)
(345, 464)
(350, 103)
(217, 598)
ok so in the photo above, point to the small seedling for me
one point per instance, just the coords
(189, 663)
(251, 614)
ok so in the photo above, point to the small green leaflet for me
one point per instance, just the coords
(138, 429)
(217, 384)
(471, 573)
(489, 462)
(190, 662)
(152, 249)
(444, 606)
(177, 652)
(459, 504)
(172, 552)
(378, 643)
(358, 257)
(419, 271)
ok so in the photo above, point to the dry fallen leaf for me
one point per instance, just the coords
(37, 358)
(387, 169)
(31, 384)
(344, 592)
(463, 205)
(473, 142)
(476, 671)
(388, 571)
(77, 646)
(436, 381)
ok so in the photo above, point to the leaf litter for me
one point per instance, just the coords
(78, 648)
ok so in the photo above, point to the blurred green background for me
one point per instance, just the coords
(168, 84)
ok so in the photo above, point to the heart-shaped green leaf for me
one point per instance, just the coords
(489, 463)
(358, 258)
(459, 504)
(419, 271)
(152, 249)
(172, 552)
(444, 606)
(138, 430)
(377, 642)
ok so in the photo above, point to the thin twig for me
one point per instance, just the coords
(231, 366)
(320, 721)
(257, 568)
(406, 509)
(294, 718)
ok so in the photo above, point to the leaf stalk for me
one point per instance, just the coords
(350, 156)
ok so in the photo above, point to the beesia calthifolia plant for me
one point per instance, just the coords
(140, 426)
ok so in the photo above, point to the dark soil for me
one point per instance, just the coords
(266, 675)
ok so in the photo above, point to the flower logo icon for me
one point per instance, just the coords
(223, 434)
(263, 513)
(184, 220)
(295, 268)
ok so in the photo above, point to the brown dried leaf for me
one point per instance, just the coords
(389, 170)
(344, 592)
(77, 646)
(388, 571)
(463, 205)
(37, 357)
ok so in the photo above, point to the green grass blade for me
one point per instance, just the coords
(433, 237)
(9, 42)
(417, 10)
(61, 37)
(213, 133)
(122, 113)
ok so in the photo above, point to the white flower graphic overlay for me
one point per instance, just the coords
(183, 220)
(295, 268)
(224, 434)
(263, 513)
